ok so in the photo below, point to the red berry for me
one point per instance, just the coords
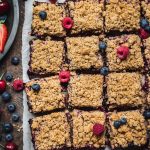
(4, 7)
(98, 129)
(64, 76)
(53, 1)
(144, 34)
(67, 23)
(122, 52)
(2, 86)
(18, 85)
(3, 37)
(11, 146)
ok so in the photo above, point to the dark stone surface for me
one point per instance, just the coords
(5, 65)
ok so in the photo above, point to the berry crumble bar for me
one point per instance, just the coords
(125, 90)
(133, 60)
(147, 51)
(127, 129)
(87, 16)
(83, 53)
(47, 20)
(122, 15)
(86, 91)
(146, 8)
(50, 131)
(45, 94)
(46, 57)
(84, 129)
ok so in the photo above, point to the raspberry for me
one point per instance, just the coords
(18, 85)
(98, 129)
(11, 146)
(122, 52)
(144, 34)
(53, 1)
(64, 76)
(67, 23)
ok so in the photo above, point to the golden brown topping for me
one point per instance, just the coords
(86, 91)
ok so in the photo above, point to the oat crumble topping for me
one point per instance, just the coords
(83, 122)
(46, 56)
(121, 15)
(124, 90)
(51, 131)
(53, 24)
(133, 61)
(133, 131)
(86, 91)
(83, 53)
(50, 96)
(87, 16)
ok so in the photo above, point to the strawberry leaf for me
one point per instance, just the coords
(3, 19)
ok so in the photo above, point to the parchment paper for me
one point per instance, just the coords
(25, 59)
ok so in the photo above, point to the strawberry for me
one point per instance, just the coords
(3, 36)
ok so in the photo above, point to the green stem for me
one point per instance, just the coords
(2, 76)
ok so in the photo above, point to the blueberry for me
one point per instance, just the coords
(15, 60)
(9, 77)
(102, 46)
(15, 117)
(117, 124)
(6, 96)
(11, 107)
(123, 121)
(7, 127)
(9, 137)
(147, 114)
(36, 87)
(147, 28)
(144, 23)
(43, 15)
(104, 71)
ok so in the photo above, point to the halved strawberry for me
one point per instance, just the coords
(3, 36)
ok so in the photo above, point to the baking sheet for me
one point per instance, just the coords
(25, 59)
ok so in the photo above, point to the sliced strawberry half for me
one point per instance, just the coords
(3, 37)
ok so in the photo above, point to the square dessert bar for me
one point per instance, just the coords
(47, 20)
(46, 57)
(146, 8)
(134, 59)
(124, 90)
(86, 91)
(83, 53)
(87, 16)
(122, 15)
(127, 129)
(147, 52)
(84, 135)
(45, 94)
(50, 131)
